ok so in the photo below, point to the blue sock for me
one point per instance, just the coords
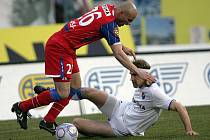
(54, 94)
(76, 94)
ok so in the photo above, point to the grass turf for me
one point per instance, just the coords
(168, 127)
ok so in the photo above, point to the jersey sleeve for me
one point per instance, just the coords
(111, 33)
(160, 99)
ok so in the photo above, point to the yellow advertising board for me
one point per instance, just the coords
(20, 42)
(26, 44)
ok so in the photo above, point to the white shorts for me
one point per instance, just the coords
(114, 110)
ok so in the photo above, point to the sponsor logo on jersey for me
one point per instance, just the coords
(106, 78)
(116, 31)
(28, 82)
(169, 76)
(106, 10)
(138, 104)
(207, 74)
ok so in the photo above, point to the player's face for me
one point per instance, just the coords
(124, 19)
(136, 81)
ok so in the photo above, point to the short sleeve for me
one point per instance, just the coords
(160, 99)
(111, 33)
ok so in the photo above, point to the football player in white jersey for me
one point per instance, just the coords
(130, 118)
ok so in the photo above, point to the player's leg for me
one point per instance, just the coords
(76, 80)
(57, 67)
(105, 102)
(57, 107)
(94, 95)
(48, 122)
(45, 98)
(54, 65)
(93, 128)
(111, 107)
(62, 87)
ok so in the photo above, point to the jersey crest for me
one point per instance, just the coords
(116, 31)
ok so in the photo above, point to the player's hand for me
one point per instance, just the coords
(129, 51)
(146, 76)
(192, 133)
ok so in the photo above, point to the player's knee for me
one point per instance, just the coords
(64, 96)
(76, 122)
(64, 93)
(89, 92)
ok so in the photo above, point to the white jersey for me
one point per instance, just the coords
(145, 109)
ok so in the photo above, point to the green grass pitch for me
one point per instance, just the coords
(169, 127)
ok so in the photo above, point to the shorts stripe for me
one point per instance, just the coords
(53, 75)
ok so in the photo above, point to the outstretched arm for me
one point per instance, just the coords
(121, 56)
(176, 106)
(129, 51)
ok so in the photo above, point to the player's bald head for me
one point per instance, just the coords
(128, 7)
(125, 12)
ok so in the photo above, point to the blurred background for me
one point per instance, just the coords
(172, 35)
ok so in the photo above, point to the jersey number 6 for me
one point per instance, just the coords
(89, 17)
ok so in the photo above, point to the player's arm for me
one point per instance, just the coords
(129, 51)
(111, 34)
(176, 106)
(163, 101)
(124, 60)
(121, 56)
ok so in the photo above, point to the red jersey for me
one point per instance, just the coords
(60, 50)
(94, 25)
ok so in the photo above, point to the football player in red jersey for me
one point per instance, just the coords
(61, 63)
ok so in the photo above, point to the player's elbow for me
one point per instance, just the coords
(179, 106)
(117, 50)
(175, 106)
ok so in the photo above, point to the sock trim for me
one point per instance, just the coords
(59, 104)
(56, 109)
(37, 101)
